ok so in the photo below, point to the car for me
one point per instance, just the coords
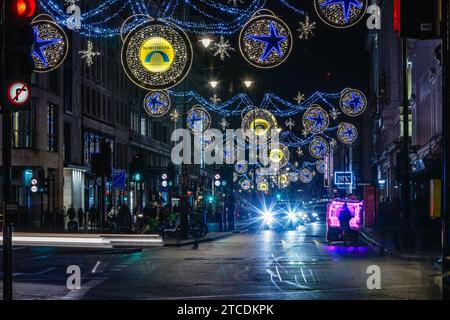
(281, 217)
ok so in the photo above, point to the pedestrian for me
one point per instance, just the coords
(344, 218)
(81, 219)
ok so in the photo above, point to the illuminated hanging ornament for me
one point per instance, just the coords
(299, 98)
(258, 124)
(241, 167)
(50, 45)
(157, 103)
(294, 176)
(265, 41)
(281, 180)
(89, 54)
(204, 141)
(221, 48)
(319, 148)
(353, 102)
(306, 176)
(290, 124)
(347, 133)
(321, 166)
(306, 29)
(156, 55)
(262, 184)
(340, 13)
(174, 115)
(334, 114)
(224, 124)
(227, 152)
(300, 152)
(279, 156)
(198, 120)
(235, 2)
(315, 119)
(215, 99)
(246, 184)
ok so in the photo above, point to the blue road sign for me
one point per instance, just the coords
(119, 177)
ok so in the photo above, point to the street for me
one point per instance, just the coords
(254, 265)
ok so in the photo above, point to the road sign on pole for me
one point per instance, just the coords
(18, 93)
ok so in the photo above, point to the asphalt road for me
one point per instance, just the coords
(255, 265)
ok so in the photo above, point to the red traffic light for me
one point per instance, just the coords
(23, 8)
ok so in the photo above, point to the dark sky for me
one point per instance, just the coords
(338, 52)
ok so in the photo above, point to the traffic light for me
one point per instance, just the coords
(37, 184)
(136, 168)
(164, 180)
(211, 199)
(217, 180)
(18, 63)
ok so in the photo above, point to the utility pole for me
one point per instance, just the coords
(446, 142)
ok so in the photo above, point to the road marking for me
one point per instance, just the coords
(78, 294)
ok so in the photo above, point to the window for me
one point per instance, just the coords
(134, 122)
(23, 128)
(52, 127)
(143, 126)
(91, 146)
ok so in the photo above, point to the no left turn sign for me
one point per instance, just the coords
(18, 93)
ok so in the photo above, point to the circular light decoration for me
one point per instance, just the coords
(265, 41)
(157, 103)
(319, 148)
(227, 153)
(198, 120)
(353, 102)
(204, 141)
(282, 180)
(306, 175)
(321, 166)
(262, 184)
(156, 55)
(315, 119)
(246, 184)
(241, 167)
(258, 124)
(50, 46)
(279, 156)
(340, 13)
(293, 176)
(347, 133)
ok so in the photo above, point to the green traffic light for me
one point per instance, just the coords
(137, 177)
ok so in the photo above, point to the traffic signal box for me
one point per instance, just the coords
(16, 60)
(137, 168)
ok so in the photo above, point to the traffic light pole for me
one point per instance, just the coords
(6, 162)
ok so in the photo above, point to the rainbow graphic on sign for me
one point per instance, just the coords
(156, 54)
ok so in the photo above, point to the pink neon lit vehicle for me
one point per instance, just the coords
(334, 211)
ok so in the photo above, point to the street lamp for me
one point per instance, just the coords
(248, 83)
(213, 84)
(206, 42)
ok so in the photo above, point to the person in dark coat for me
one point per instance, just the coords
(344, 218)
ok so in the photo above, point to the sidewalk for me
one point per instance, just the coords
(418, 254)
(209, 237)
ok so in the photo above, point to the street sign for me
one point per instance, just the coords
(18, 93)
(343, 179)
(119, 177)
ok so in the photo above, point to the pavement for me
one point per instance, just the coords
(256, 265)
(430, 254)
(211, 236)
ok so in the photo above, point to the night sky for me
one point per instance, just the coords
(331, 61)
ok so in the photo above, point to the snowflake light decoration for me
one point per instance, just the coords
(222, 48)
(306, 29)
(224, 124)
(300, 152)
(89, 54)
(305, 133)
(215, 99)
(174, 115)
(299, 98)
(334, 114)
(290, 123)
(70, 2)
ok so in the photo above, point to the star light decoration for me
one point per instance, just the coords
(306, 29)
(157, 103)
(299, 98)
(315, 119)
(353, 102)
(50, 46)
(340, 13)
(319, 148)
(224, 124)
(198, 120)
(222, 48)
(306, 176)
(290, 123)
(321, 166)
(89, 54)
(179, 67)
(347, 133)
(265, 41)
(215, 99)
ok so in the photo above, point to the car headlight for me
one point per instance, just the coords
(268, 217)
(292, 216)
(315, 215)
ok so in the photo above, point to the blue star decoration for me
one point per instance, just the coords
(39, 45)
(350, 133)
(154, 102)
(194, 119)
(346, 6)
(273, 41)
(355, 102)
(320, 148)
(319, 120)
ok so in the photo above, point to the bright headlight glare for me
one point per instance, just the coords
(268, 217)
